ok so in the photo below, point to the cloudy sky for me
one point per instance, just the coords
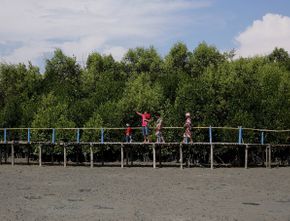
(30, 30)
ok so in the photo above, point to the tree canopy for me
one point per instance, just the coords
(217, 89)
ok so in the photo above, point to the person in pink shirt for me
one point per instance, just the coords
(145, 120)
(187, 132)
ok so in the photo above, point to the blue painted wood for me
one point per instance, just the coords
(28, 135)
(210, 134)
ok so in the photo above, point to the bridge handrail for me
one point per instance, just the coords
(103, 129)
(123, 128)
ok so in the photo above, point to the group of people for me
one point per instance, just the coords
(146, 118)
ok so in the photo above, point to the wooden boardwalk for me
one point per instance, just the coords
(123, 146)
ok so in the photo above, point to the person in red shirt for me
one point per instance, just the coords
(128, 134)
(145, 120)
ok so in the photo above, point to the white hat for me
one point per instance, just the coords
(187, 114)
(127, 125)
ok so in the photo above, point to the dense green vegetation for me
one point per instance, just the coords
(217, 89)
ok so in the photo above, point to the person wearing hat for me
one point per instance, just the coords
(128, 133)
(187, 126)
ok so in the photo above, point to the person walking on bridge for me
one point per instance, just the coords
(145, 129)
(187, 132)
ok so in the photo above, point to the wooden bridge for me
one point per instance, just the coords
(31, 136)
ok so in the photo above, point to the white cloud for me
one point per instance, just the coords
(81, 26)
(264, 35)
(116, 51)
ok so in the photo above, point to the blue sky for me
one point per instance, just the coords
(32, 29)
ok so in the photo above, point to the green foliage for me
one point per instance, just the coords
(142, 95)
(214, 87)
(142, 60)
(93, 134)
(203, 57)
(19, 94)
(53, 114)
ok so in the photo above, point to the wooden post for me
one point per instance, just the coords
(12, 154)
(127, 156)
(270, 153)
(28, 153)
(154, 156)
(122, 156)
(103, 160)
(211, 156)
(246, 157)
(64, 155)
(5, 154)
(267, 156)
(181, 156)
(40, 155)
(160, 156)
(91, 156)
(131, 155)
(0, 155)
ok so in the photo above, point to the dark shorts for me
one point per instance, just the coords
(145, 131)
(129, 139)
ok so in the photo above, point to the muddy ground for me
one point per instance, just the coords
(143, 193)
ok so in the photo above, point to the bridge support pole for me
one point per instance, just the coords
(5, 154)
(12, 154)
(267, 156)
(40, 155)
(28, 154)
(127, 156)
(270, 152)
(122, 156)
(154, 156)
(211, 156)
(64, 155)
(160, 153)
(181, 156)
(91, 156)
(0, 155)
(131, 156)
(246, 156)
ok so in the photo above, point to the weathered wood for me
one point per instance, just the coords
(141, 143)
(40, 155)
(122, 156)
(154, 156)
(5, 154)
(91, 156)
(266, 147)
(131, 156)
(267, 156)
(28, 154)
(64, 156)
(12, 154)
(188, 157)
(51, 155)
(103, 160)
(246, 157)
(211, 156)
(180, 156)
(160, 157)
(270, 153)
(127, 156)
(1, 155)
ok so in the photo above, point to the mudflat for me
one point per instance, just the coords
(142, 193)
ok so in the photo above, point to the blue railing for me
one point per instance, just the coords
(172, 134)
